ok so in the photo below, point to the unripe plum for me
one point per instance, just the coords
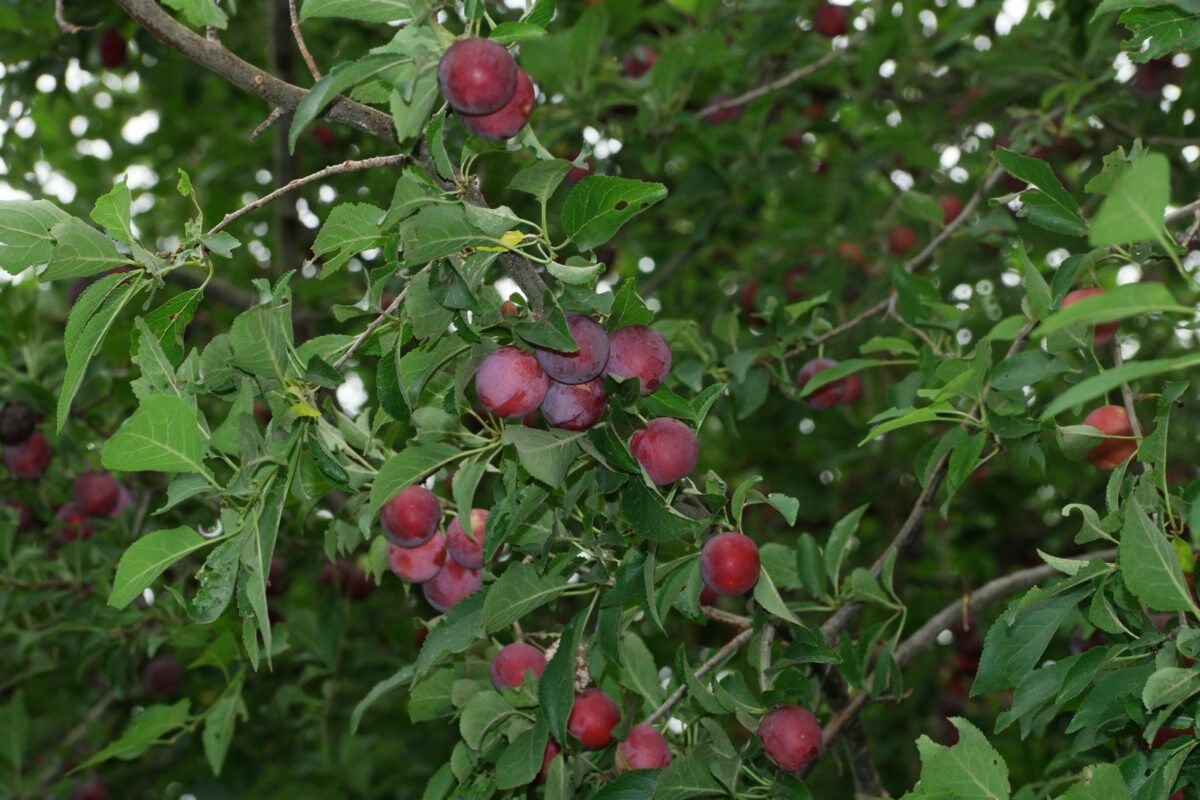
(638, 351)
(477, 76)
(791, 737)
(901, 239)
(643, 748)
(952, 206)
(1105, 331)
(97, 494)
(574, 407)
(843, 391)
(17, 423)
(729, 563)
(421, 563)
(113, 49)
(552, 749)
(1112, 421)
(585, 363)
(162, 676)
(666, 448)
(830, 21)
(592, 719)
(74, 524)
(410, 518)
(467, 550)
(450, 585)
(508, 121)
(30, 458)
(511, 664)
(510, 383)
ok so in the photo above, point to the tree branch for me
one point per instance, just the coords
(727, 650)
(336, 169)
(299, 37)
(924, 636)
(60, 18)
(1180, 214)
(370, 329)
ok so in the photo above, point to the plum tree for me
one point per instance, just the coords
(574, 407)
(593, 717)
(162, 676)
(791, 737)
(17, 423)
(97, 494)
(1105, 331)
(1119, 444)
(831, 21)
(639, 351)
(510, 382)
(643, 748)
(467, 550)
(842, 391)
(666, 448)
(511, 118)
(477, 76)
(30, 458)
(901, 239)
(514, 661)
(421, 563)
(729, 563)
(584, 364)
(411, 517)
(452, 583)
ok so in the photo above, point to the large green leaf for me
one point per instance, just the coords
(349, 229)
(1048, 204)
(599, 205)
(1148, 563)
(518, 591)
(149, 557)
(163, 435)
(970, 770)
(1119, 303)
(1133, 210)
(1108, 380)
(25, 239)
(361, 10)
(80, 251)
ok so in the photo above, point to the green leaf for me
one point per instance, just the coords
(509, 32)
(1098, 782)
(219, 723)
(638, 784)
(518, 591)
(970, 770)
(433, 698)
(1133, 210)
(407, 467)
(628, 308)
(80, 251)
(336, 81)
(413, 191)
(541, 178)
(87, 328)
(1110, 379)
(361, 10)
(921, 207)
(651, 517)
(1170, 686)
(1161, 31)
(1148, 565)
(839, 371)
(582, 275)
(349, 229)
(111, 212)
(556, 689)
(638, 668)
(767, 596)
(483, 712)
(839, 543)
(149, 557)
(437, 231)
(401, 677)
(14, 730)
(261, 339)
(163, 435)
(1049, 205)
(200, 13)
(25, 239)
(521, 761)
(599, 205)
(168, 322)
(146, 728)
(1013, 647)
(410, 112)
(546, 455)
(689, 776)
(458, 629)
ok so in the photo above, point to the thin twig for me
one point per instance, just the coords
(336, 169)
(307, 56)
(370, 329)
(64, 24)
(1180, 214)
(727, 650)
(1127, 394)
(783, 81)
(924, 636)
(275, 115)
(718, 615)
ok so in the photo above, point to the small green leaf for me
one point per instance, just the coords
(149, 557)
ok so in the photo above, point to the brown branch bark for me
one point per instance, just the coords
(309, 61)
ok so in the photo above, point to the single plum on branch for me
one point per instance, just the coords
(1119, 444)
(791, 737)
(450, 585)
(667, 449)
(643, 748)
(592, 719)
(729, 563)
(574, 407)
(477, 76)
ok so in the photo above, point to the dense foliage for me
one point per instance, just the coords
(797, 406)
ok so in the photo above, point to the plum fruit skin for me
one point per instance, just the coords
(643, 748)
(831, 21)
(510, 383)
(450, 585)
(638, 351)
(30, 458)
(514, 661)
(467, 550)
(477, 76)
(410, 518)
(666, 448)
(97, 494)
(574, 407)
(1111, 421)
(509, 120)
(1105, 331)
(592, 719)
(418, 564)
(729, 563)
(791, 737)
(587, 362)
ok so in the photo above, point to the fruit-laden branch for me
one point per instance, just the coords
(726, 650)
(784, 80)
(841, 619)
(336, 169)
(925, 636)
(282, 95)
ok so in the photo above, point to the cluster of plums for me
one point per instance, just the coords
(481, 81)
(569, 389)
(448, 567)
